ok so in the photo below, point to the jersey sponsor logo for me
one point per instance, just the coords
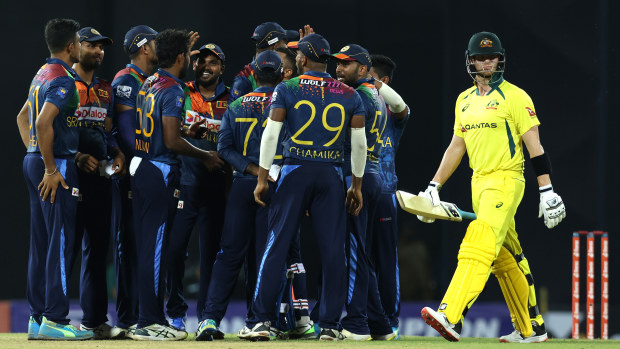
(211, 124)
(480, 125)
(177, 193)
(91, 113)
(500, 204)
(180, 205)
(313, 154)
(75, 192)
(463, 129)
(530, 111)
(465, 107)
(62, 92)
(493, 104)
(123, 91)
(273, 96)
(103, 93)
(486, 43)
(320, 83)
(259, 99)
(385, 219)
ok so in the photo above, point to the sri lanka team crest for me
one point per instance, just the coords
(486, 43)
(346, 48)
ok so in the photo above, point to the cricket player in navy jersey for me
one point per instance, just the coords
(318, 110)
(267, 36)
(362, 304)
(203, 192)
(385, 236)
(98, 157)
(155, 176)
(139, 44)
(246, 221)
(48, 128)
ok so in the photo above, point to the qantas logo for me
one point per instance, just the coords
(479, 125)
(530, 111)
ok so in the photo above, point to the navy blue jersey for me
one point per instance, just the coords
(318, 115)
(209, 111)
(161, 95)
(55, 83)
(242, 129)
(243, 83)
(126, 85)
(375, 120)
(391, 137)
(96, 104)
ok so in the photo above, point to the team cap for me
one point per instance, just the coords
(137, 37)
(315, 47)
(267, 59)
(267, 34)
(91, 34)
(215, 49)
(354, 52)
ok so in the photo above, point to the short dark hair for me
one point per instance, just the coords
(268, 76)
(290, 58)
(60, 32)
(169, 44)
(384, 65)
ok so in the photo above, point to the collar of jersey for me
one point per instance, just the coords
(138, 70)
(317, 74)
(64, 65)
(264, 89)
(220, 89)
(162, 72)
(363, 81)
(95, 81)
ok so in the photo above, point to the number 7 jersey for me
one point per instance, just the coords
(318, 113)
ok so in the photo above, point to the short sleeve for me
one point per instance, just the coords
(172, 103)
(278, 98)
(125, 90)
(60, 91)
(458, 127)
(523, 112)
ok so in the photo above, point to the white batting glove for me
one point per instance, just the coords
(432, 193)
(551, 206)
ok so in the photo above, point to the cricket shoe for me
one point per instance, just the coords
(304, 330)
(54, 331)
(260, 332)
(244, 333)
(178, 323)
(157, 332)
(440, 323)
(103, 331)
(33, 329)
(329, 334)
(538, 335)
(385, 337)
(121, 333)
(348, 335)
(208, 330)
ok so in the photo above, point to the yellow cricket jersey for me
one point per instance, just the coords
(492, 126)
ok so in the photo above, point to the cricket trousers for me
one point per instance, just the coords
(155, 191)
(52, 238)
(318, 187)
(92, 240)
(201, 206)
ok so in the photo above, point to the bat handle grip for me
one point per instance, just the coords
(468, 215)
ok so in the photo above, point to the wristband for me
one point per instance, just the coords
(541, 164)
(50, 174)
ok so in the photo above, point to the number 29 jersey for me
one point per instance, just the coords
(161, 95)
(318, 113)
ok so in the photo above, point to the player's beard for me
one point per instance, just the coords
(89, 63)
(183, 71)
(208, 82)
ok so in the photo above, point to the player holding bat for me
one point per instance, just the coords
(493, 119)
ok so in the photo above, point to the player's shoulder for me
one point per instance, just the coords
(510, 89)
(103, 83)
(465, 94)
(245, 72)
(124, 77)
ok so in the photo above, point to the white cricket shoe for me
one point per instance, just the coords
(440, 323)
(538, 335)
(157, 332)
(348, 335)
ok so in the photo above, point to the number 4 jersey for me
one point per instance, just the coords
(161, 95)
(318, 113)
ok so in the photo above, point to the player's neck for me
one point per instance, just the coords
(208, 91)
(143, 65)
(483, 88)
(85, 75)
(63, 56)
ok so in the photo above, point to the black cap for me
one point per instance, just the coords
(91, 34)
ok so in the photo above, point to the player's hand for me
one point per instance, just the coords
(86, 163)
(354, 200)
(431, 193)
(196, 131)
(49, 185)
(307, 30)
(551, 207)
(193, 37)
(260, 191)
(212, 161)
(118, 164)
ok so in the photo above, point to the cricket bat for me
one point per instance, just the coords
(422, 206)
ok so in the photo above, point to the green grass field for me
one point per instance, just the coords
(18, 340)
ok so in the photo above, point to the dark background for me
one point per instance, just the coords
(563, 53)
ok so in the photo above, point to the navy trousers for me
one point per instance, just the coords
(52, 238)
(154, 185)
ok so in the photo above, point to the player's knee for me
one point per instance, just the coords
(504, 262)
(478, 243)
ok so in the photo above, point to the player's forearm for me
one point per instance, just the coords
(531, 139)
(269, 143)
(183, 147)
(45, 139)
(22, 124)
(451, 160)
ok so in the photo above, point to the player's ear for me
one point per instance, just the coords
(385, 80)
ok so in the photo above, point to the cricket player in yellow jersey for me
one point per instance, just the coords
(493, 119)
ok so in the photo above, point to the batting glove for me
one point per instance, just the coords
(551, 206)
(432, 193)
